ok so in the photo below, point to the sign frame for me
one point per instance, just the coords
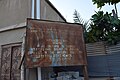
(46, 41)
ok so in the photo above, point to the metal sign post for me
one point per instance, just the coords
(35, 9)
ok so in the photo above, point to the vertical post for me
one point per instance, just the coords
(37, 13)
(0, 61)
(35, 9)
(38, 9)
(85, 72)
(11, 51)
(22, 55)
(39, 73)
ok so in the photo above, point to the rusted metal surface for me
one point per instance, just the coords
(54, 44)
(11, 54)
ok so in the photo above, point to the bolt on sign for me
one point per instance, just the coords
(51, 43)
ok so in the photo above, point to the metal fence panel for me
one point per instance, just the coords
(54, 44)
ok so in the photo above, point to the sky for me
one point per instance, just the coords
(84, 7)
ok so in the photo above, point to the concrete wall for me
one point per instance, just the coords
(48, 13)
(0, 58)
(11, 36)
(14, 12)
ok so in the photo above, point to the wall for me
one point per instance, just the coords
(14, 12)
(12, 36)
(48, 13)
(0, 57)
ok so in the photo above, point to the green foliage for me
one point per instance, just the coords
(101, 3)
(80, 20)
(104, 27)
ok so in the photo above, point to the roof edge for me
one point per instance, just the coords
(56, 10)
(54, 21)
(12, 27)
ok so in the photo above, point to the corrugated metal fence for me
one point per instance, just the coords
(100, 48)
(104, 65)
(97, 48)
(103, 60)
(113, 49)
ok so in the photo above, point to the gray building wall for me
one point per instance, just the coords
(14, 12)
(48, 13)
(12, 36)
(0, 56)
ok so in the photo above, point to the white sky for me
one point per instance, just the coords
(84, 7)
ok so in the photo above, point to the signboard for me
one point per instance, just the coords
(54, 44)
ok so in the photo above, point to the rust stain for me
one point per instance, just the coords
(54, 44)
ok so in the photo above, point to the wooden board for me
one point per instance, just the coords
(11, 54)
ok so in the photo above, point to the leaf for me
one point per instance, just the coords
(101, 3)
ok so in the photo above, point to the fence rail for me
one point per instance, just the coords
(100, 48)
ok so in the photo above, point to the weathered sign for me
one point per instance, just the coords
(54, 44)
